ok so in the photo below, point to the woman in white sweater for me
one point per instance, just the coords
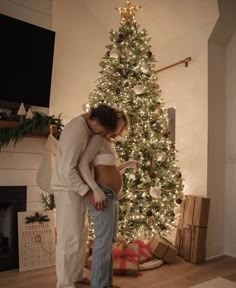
(101, 155)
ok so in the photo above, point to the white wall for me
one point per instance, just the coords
(216, 149)
(221, 73)
(19, 164)
(230, 165)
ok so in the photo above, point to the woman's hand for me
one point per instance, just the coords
(98, 205)
(134, 164)
(101, 205)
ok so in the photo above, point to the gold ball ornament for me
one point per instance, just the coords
(159, 111)
(151, 220)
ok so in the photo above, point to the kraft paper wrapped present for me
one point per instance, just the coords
(125, 259)
(144, 251)
(194, 244)
(195, 211)
(191, 235)
(163, 250)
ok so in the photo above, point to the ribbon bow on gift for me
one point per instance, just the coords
(125, 254)
(142, 247)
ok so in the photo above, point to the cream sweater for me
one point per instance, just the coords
(73, 141)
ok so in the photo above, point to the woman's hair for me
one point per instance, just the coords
(106, 116)
(121, 115)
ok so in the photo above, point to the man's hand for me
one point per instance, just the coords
(99, 205)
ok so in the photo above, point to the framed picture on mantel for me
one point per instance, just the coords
(36, 234)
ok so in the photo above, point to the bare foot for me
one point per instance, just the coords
(84, 281)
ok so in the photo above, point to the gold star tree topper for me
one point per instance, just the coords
(127, 12)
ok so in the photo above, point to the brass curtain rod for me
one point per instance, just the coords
(185, 62)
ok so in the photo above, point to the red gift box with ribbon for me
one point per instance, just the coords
(144, 252)
(125, 259)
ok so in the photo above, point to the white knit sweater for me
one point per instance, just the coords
(73, 141)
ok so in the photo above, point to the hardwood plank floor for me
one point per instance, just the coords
(179, 275)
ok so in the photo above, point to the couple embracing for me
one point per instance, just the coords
(87, 176)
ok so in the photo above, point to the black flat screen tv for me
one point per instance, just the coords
(26, 59)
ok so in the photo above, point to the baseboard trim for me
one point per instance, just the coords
(215, 256)
(230, 254)
(220, 255)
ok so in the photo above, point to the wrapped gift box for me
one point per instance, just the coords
(163, 249)
(191, 235)
(195, 211)
(194, 244)
(125, 259)
(144, 251)
(179, 242)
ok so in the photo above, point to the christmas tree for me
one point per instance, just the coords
(129, 81)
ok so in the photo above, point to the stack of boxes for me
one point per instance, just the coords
(191, 235)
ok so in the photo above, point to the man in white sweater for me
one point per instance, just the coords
(70, 192)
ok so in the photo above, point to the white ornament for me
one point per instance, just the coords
(144, 68)
(29, 114)
(86, 107)
(132, 177)
(114, 53)
(155, 192)
(139, 89)
(161, 156)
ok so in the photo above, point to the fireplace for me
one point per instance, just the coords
(12, 200)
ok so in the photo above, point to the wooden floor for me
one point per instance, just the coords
(179, 275)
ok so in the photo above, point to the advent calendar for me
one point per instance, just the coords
(36, 234)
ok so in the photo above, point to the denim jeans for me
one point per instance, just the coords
(105, 227)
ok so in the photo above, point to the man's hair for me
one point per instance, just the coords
(106, 116)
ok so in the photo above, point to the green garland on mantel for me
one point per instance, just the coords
(40, 123)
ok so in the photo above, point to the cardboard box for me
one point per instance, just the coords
(179, 242)
(195, 211)
(163, 249)
(190, 239)
(194, 244)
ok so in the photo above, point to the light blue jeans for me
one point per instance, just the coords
(105, 227)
